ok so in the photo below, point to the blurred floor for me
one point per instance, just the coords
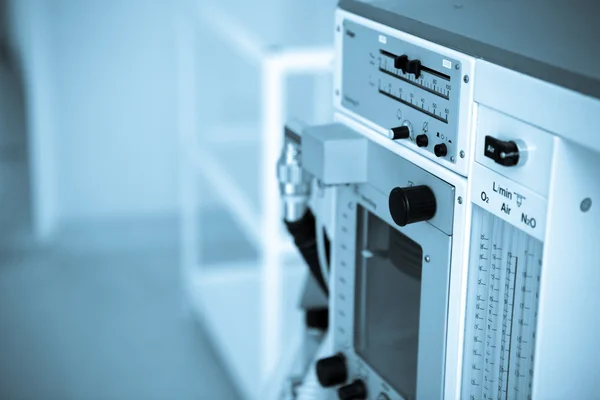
(94, 318)
(98, 313)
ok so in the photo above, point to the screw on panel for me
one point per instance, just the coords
(337, 92)
(462, 154)
(459, 200)
(452, 159)
(338, 28)
(466, 79)
(427, 258)
(586, 204)
(457, 66)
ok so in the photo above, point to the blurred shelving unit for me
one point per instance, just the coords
(244, 68)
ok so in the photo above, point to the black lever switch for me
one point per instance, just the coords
(400, 62)
(502, 152)
(414, 67)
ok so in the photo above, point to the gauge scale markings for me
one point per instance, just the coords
(417, 84)
(422, 83)
(502, 299)
(414, 106)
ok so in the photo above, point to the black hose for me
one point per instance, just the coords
(304, 232)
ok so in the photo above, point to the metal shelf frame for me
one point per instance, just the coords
(262, 222)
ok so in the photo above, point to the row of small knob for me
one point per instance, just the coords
(403, 132)
(505, 153)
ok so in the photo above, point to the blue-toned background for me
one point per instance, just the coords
(107, 212)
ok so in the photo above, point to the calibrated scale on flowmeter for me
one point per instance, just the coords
(502, 295)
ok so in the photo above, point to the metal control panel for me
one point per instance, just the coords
(392, 352)
(394, 80)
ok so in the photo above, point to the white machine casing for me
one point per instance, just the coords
(521, 238)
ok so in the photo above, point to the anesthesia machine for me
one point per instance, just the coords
(450, 214)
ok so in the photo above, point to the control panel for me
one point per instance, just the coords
(417, 92)
(513, 149)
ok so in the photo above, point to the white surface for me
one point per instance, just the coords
(273, 93)
(552, 108)
(235, 324)
(536, 158)
(567, 351)
(500, 196)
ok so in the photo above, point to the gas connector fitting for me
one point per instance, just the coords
(294, 181)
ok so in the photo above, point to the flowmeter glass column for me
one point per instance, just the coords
(502, 303)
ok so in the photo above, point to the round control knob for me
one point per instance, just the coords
(440, 150)
(412, 204)
(400, 132)
(357, 390)
(332, 371)
(422, 140)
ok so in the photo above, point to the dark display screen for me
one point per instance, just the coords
(388, 293)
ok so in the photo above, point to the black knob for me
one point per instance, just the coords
(332, 371)
(317, 318)
(400, 62)
(422, 140)
(414, 67)
(412, 204)
(400, 132)
(440, 150)
(354, 391)
(503, 152)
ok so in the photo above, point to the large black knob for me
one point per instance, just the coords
(332, 371)
(412, 204)
(354, 391)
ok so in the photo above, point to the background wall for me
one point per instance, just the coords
(101, 93)
(116, 118)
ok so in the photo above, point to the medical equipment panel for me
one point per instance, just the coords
(415, 91)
